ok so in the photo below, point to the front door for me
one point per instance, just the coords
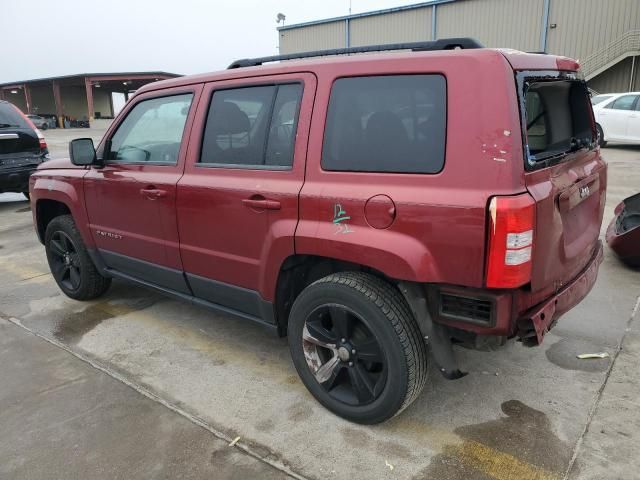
(131, 201)
(238, 198)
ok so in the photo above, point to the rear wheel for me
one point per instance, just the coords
(600, 133)
(357, 347)
(70, 263)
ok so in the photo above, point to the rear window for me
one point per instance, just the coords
(394, 124)
(558, 119)
(10, 117)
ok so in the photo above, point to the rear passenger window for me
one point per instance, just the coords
(391, 124)
(252, 127)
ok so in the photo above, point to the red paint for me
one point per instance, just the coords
(239, 225)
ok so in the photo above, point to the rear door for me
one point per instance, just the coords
(564, 173)
(238, 199)
(131, 201)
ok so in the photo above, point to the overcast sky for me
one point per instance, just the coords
(44, 38)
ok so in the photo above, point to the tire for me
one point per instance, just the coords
(352, 377)
(70, 263)
(27, 196)
(601, 140)
(44, 126)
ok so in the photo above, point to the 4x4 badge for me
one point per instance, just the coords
(584, 191)
(340, 218)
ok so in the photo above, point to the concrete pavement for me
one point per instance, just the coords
(61, 418)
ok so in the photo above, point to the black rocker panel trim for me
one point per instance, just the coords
(147, 271)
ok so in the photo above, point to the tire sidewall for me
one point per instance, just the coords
(601, 140)
(394, 393)
(64, 224)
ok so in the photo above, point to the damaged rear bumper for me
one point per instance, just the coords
(533, 326)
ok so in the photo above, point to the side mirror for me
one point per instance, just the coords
(82, 152)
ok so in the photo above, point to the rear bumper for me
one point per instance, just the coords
(16, 179)
(510, 313)
(533, 326)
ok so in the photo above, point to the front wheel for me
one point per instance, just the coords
(357, 347)
(70, 263)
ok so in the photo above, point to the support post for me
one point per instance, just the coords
(1, 93)
(544, 28)
(57, 98)
(126, 96)
(89, 89)
(633, 73)
(113, 114)
(27, 97)
(434, 22)
(347, 33)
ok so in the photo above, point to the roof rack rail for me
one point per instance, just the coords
(442, 44)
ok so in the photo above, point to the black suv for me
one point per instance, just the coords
(22, 149)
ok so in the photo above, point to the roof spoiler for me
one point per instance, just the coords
(442, 44)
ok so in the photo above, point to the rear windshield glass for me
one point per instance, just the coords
(394, 124)
(10, 117)
(558, 119)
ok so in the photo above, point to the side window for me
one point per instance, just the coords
(623, 103)
(393, 124)
(252, 126)
(152, 131)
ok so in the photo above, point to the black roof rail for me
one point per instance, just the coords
(442, 44)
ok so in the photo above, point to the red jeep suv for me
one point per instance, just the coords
(371, 207)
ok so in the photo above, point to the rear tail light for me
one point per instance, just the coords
(511, 227)
(41, 140)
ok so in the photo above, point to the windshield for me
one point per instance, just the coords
(558, 118)
(10, 117)
(599, 99)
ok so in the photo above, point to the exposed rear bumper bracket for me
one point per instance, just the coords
(533, 326)
(434, 334)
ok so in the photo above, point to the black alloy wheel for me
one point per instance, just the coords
(344, 355)
(65, 261)
(357, 347)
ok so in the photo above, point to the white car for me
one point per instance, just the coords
(617, 117)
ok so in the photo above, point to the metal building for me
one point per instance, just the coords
(604, 35)
(73, 98)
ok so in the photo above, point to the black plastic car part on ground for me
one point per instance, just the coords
(623, 234)
(22, 149)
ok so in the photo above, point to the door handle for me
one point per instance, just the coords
(261, 204)
(152, 193)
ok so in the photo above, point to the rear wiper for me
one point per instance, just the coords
(7, 125)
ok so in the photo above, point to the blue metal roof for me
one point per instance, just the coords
(366, 14)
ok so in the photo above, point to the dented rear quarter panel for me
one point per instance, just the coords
(439, 232)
